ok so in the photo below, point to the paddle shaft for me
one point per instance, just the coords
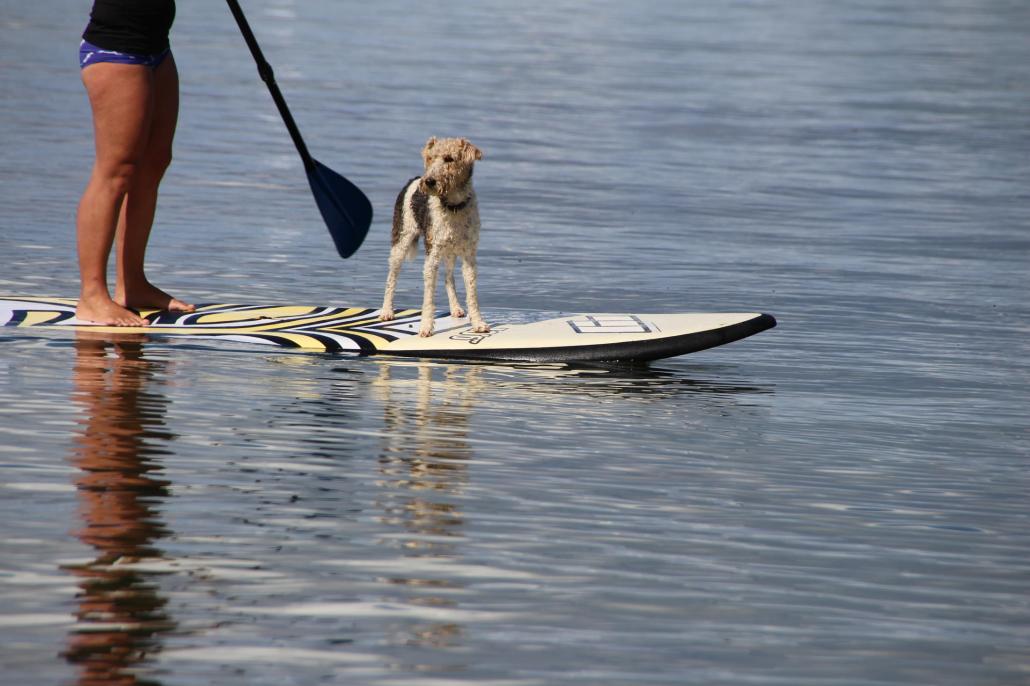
(346, 210)
(268, 76)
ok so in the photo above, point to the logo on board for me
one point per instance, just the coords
(609, 323)
(472, 338)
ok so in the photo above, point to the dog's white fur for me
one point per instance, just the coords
(440, 206)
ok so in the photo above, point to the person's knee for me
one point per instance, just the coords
(123, 176)
(118, 177)
(153, 167)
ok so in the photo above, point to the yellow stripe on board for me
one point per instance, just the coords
(38, 317)
(264, 313)
(302, 341)
(377, 341)
(274, 324)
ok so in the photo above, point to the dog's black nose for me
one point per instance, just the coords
(430, 182)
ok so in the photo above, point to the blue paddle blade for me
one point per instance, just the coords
(346, 210)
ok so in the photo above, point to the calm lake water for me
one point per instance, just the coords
(839, 501)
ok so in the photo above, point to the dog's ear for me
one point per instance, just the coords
(426, 151)
(470, 152)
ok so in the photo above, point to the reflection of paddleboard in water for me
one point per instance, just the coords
(521, 336)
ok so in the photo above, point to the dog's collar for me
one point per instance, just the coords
(458, 207)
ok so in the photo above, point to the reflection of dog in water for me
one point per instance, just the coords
(424, 462)
(440, 206)
(426, 447)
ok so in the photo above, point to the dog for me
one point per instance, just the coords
(440, 206)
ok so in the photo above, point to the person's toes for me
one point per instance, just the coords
(176, 305)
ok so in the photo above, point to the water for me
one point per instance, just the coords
(838, 501)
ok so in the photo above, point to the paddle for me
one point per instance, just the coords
(346, 210)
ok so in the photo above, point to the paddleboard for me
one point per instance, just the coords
(512, 336)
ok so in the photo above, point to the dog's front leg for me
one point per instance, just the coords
(452, 294)
(468, 272)
(429, 271)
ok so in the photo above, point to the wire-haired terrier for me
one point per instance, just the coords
(441, 207)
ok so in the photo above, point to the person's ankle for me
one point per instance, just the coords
(93, 293)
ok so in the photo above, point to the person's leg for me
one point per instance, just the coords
(137, 215)
(120, 96)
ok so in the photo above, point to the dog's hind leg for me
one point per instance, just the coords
(398, 253)
(452, 294)
(468, 272)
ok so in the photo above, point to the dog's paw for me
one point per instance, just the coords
(426, 329)
(458, 313)
(481, 327)
(386, 316)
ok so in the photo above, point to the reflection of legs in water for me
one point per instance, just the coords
(120, 612)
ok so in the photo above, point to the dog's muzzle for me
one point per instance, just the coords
(429, 185)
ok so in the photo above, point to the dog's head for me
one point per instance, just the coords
(448, 163)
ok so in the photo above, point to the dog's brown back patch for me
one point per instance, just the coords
(420, 210)
(398, 211)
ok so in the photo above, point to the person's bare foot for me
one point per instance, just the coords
(146, 296)
(104, 311)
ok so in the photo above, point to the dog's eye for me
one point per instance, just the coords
(448, 159)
